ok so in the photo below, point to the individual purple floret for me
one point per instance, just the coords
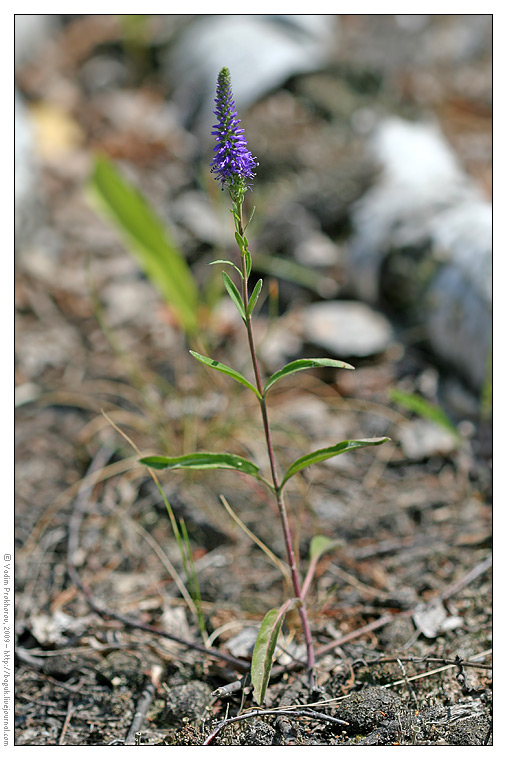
(233, 164)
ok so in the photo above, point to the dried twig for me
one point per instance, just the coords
(297, 712)
(70, 710)
(466, 579)
(416, 660)
(143, 705)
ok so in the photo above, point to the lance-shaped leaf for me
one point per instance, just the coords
(214, 364)
(262, 657)
(253, 298)
(331, 451)
(202, 460)
(248, 261)
(234, 294)
(300, 364)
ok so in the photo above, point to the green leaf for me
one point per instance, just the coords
(253, 298)
(249, 218)
(248, 259)
(239, 240)
(147, 239)
(319, 545)
(262, 657)
(234, 294)
(214, 364)
(415, 403)
(226, 261)
(331, 451)
(203, 460)
(299, 364)
(289, 270)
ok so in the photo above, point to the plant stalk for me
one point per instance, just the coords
(289, 544)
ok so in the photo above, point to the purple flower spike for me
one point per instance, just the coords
(233, 164)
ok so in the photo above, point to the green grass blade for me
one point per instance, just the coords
(214, 364)
(300, 364)
(262, 657)
(331, 451)
(193, 581)
(147, 239)
(204, 460)
(292, 271)
(415, 403)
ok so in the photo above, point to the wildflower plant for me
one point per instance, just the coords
(233, 166)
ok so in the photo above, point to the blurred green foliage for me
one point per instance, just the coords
(147, 239)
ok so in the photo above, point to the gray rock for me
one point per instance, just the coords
(470, 732)
(187, 701)
(28, 207)
(421, 439)
(318, 250)
(432, 619)
(32, 32)
(423, 241)
(397, 633)
(257, 733)
(194, 211)
(261, 51)
(346, 328)
(367, 709)
(243, 643)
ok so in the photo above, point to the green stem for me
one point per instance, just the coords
(289, 544)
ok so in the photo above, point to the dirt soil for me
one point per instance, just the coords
(400, 610)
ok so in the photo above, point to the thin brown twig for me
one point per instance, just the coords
(298, 712)
(466, 579)
(423, 660)
(70, 710)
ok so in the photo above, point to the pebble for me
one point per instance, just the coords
(243, 643)
(365, 710)
(188, 701)
(346, 328)
(421, 439)
(432, 619)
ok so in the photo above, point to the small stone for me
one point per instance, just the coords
(346, 328)
(421, 439)
(367, 709)
(432, 619)
(258, 733)
(317, 251)
(243, 643)
(187, 702)
(474, 731)
(398, 632)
